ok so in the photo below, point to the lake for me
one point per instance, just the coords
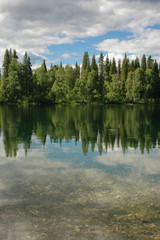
(79, 172)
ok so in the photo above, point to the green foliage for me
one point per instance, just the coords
(42, 86)
(92, 92)
(112, 90)
(124, 74)
(144, 63)
(131, 126)
(27, 78)
(113, 67)
(85, 62)
(101, 76)
(135, 91)
(105, 81)
(13, 90)
(59, 88)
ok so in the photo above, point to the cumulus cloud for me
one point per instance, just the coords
(35, 25)
(145, 43)
(69, 55)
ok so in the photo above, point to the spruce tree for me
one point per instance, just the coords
(156, 81)
(14, 55)
(13, 92)
(113, 67)
(124, 74)
(27, 77)
(6, 62)
(144, 63)
(119, 73)
(107, 67)
(77, 71)
(150, 62)
(94, 65)
(86, 63)
(101, 75)
(44, 65)
(136, 63)
(4, 83)
(132, 66)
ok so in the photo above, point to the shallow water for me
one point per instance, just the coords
(80, 173)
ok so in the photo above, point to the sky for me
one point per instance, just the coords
(62, 30)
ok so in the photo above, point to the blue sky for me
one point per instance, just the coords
(71, 53)
(63, 30)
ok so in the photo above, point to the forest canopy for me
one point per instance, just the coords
(103, 80)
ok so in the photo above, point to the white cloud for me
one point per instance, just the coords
(145, 43)
(69, 55)
(138, 162)
(34, 25)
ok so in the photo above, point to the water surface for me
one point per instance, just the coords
(79, 172)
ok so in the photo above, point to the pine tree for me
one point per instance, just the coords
(136, 63)
(44, 65)
(27, 77)
(14, 55)
(42, 83)
(119, 74)
(150, 62)
(144, 63)
(94, 65)
(70, 77)
(107, 67)
(6, 62)
(86, 63)
(92, 94)
(77, 71)
(101, 75)
(113, 67)
(132, 66)
(13, 91)
(156, 81)
(124, 74)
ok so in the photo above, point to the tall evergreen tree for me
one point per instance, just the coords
(101, 75)
(42, 83)
(113, 67)
(119, 74)
(59, 88)
(92, 93)
(144, 63)
(4, 81)
(86, 62)
(132, 66)
(124, 74)
(27, 77)
(156, 81)
(44, 65)
(6, 62)
(13, 91)
(136, 63)
(94, 65)
(150, 62)
(77, 71)
(14, 54)
(107, 66)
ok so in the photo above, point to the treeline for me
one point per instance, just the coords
(136, 81)
(100, 128)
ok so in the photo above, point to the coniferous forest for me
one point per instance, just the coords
(102, 80)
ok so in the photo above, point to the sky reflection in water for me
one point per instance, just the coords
(80, 173)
